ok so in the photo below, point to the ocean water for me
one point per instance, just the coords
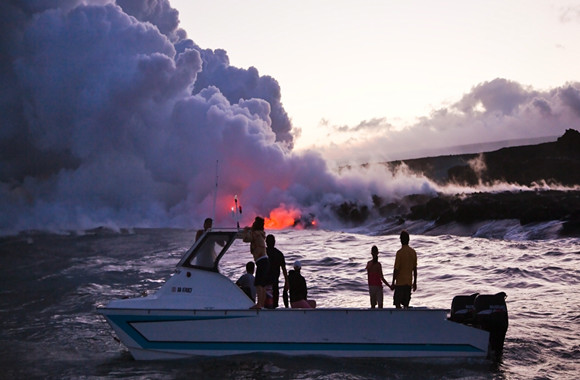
(51, 284)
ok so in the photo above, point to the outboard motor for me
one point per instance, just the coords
(491, 315)
(462, 309)
(487, 312)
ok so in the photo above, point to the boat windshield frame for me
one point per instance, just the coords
(208, 250)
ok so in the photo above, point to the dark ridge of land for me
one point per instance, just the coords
(554, 163)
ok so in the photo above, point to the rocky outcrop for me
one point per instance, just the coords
(550, 163)
(527, 207)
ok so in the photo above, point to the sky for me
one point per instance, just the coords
(341, 64)
(157, 113)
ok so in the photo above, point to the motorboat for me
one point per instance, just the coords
(199, 311)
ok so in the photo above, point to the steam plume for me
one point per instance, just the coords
(110, 115)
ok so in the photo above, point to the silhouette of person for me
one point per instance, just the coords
(277, 261)
(298, 289)
(207, 224)
(207, 254)
(376, 279)
(404, 273)
(246, 281)
(256, 236)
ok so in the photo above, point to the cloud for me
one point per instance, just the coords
(570, 96)
(157, 12)
(493, 111)
(234, 83)
(498, 96)
(374, 125)
(570, 14)
(111, 116)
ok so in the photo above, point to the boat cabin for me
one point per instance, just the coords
(209, 249)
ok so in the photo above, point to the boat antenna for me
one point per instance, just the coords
(216, 187)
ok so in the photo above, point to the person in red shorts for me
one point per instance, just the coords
(376, 279)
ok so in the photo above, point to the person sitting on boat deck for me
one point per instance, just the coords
(246, 281)
(256, 236)
(277, 261)
(298, 289)
(376, 279)
(207, 224)
(404, 273)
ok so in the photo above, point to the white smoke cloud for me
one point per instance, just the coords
(110, 116)
(113, 118)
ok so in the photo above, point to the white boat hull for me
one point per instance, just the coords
(388, 333)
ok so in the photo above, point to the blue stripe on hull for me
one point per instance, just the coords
(308, 347)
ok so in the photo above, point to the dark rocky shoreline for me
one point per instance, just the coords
(526, 206)
(554, 165)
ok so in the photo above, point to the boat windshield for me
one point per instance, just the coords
(206, 253)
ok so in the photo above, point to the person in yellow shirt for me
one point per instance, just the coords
(404, 273)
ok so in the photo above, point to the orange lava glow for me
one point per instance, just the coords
(281, 218)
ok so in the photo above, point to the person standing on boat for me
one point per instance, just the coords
(246, 281)
(207, 224)
(376, 279)
(277, 261)
(298, 289)
(256, 236)
(404, 273)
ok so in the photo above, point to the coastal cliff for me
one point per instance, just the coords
(553, 163)
(551, 171)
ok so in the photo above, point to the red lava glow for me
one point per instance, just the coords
(281, 218)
